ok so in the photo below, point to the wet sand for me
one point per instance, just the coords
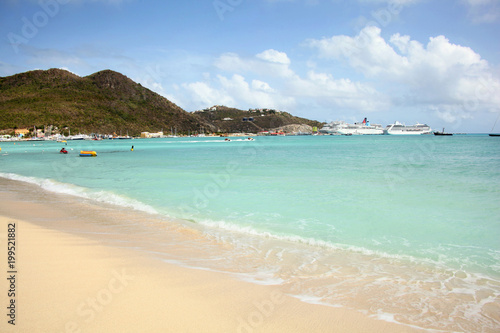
(72, 275)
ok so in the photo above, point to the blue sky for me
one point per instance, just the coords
(436, 62)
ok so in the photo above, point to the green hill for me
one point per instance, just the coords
(104, 102)
(230, 120)
(107, 102)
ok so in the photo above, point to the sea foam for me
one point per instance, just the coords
(82, 192)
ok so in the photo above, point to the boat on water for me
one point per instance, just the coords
(88, 153)
(442, 133)
(332, 127)
(363, 128)
(401, 129)
(494, 134)
(79, 137)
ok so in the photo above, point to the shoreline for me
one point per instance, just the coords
(75, 276)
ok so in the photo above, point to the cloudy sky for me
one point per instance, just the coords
(436, 62)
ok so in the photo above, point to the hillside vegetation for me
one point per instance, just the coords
(108, 102)
(228, 120)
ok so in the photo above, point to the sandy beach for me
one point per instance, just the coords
(68, 278)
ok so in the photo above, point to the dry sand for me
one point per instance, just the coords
(69, 282)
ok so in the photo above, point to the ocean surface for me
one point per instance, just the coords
(404, 229)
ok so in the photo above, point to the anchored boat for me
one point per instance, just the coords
(442, 133)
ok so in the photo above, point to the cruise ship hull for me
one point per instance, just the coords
(363, 128)
(400, 129)
(360, 131)
(408, 132)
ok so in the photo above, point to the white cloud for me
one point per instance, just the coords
(231, 62)
(268, 63)
(276, 85)
(274, 56)
(201, 95)
(235, 91)
(258, 94)
(438, 74)
(339, 93)
(262, 86)
(450, 115)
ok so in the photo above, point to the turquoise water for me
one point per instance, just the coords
(423, 200)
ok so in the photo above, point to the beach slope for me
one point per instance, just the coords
(73, 282)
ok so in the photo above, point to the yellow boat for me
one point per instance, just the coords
(85, 153)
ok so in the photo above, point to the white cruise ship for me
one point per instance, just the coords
(364, 128)
(401, 129)
(331, 128)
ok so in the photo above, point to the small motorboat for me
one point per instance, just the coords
(63, 151)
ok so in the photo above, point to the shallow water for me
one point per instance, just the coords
(402, 228)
